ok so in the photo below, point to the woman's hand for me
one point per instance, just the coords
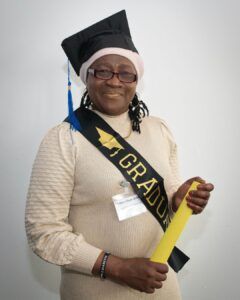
(196, 200)
(138, 273)
(142, 274)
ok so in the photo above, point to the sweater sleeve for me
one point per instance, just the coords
(175, 179)
(49, 195)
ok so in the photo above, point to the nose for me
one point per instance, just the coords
(114, 81)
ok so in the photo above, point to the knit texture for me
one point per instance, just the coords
(70, 216)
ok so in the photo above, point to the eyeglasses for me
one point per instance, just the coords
(125, 77)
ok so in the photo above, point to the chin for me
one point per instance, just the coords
(114, 111)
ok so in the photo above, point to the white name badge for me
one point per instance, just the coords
(128, 206)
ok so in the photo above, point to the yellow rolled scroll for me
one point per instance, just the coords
(171, 235)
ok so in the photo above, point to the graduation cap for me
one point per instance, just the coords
(108, 36)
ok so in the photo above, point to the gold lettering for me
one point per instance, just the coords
(158, 208)
(122, 161)
(145, 185)
(156, 194)
(166, 221)
(139, 170)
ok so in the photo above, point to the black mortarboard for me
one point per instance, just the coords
(112, 32)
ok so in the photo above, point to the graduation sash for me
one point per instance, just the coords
(145, 181)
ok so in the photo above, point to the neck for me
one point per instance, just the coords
(120, 123)
(109, 113)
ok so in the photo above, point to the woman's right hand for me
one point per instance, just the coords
(138, 273)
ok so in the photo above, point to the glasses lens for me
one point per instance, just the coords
(127, 77)
(103, 74)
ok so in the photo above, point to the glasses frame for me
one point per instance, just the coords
(93, 72)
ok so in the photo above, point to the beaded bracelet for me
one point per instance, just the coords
(103, 265)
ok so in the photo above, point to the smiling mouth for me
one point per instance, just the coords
(112, 94)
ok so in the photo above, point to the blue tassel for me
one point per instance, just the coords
(74, 122)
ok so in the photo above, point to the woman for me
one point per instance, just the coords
(72, 216)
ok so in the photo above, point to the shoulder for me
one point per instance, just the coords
(59, 136)
(159, 125)
(57, 147)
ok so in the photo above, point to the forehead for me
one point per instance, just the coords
(113, 60)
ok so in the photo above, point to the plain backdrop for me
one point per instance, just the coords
(191, 50)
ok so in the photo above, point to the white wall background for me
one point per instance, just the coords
(191, 50)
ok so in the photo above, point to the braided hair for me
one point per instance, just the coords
(137, 109)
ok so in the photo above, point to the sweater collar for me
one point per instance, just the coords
(120, 123)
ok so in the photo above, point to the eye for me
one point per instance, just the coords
(103, 74)
(127, 76)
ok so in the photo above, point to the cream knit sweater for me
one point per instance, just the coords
(70, 215)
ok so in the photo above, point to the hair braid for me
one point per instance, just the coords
(137, 109)
(85, 100)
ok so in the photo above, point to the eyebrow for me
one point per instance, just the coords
(99, 65)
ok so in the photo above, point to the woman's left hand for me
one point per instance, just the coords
(196, 200)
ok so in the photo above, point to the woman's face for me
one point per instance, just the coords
(111, 96)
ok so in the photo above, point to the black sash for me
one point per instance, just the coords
(146, 182)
